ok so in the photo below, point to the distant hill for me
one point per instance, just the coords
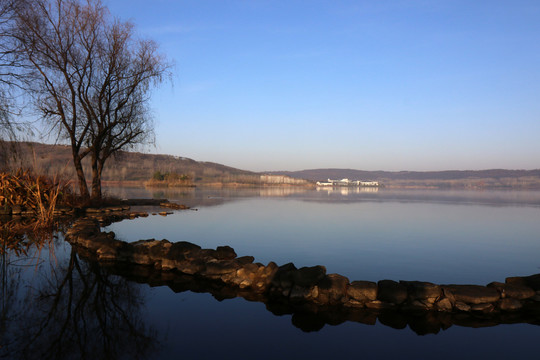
(495, 178)
(139, 167)
(130, 166)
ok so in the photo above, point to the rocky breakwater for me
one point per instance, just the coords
(311, 289)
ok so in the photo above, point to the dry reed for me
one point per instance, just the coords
(36, 194)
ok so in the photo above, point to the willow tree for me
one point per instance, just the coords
(93, 79)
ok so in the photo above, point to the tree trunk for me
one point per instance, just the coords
(83, 187)
(96, 177)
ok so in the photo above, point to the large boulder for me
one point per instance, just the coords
(181, 249)
(362, 291)
(513, 291)
(419, 290)
(509, 304)
(221, 267)
(444, 305)
(225, 253)
(532, 281)
(473, 294)
(308, 277)
(391, 292)
(332, 289)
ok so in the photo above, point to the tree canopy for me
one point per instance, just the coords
(91, 78)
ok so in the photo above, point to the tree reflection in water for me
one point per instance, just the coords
(61, 307)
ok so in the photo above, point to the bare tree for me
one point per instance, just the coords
(93, 79)
(118, 109)
(6, 64)
(12, 78)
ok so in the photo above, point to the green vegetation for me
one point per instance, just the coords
(169, 179)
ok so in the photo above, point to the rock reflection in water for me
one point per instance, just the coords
(312, 317)
(63, 307)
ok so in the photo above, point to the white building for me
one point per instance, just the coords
(347, 182)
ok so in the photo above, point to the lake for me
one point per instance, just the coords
(67, 306)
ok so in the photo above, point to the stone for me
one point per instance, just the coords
(391, 292)
(416, 305)
(513, 291)
(225, 253)
(362, 291)
(106, 254)
(270, 270)
(247, 271)
(354, 303)
(332, 289)
(282, 278)
(532, 281)
(182, 248)
(301, 294)
(419, 290)
(509, 304)
(519, 292)
(462, 306)
(159, 249)
(473, 294)
(244, 260)
(190, 267)
(486, 307)
(444, 305)
(245, 283)
(308, 277)
(377, 304)
(221, 267)
(139, 258)
(448, 294)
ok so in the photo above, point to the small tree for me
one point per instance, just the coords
(92, 79)
(158, 176)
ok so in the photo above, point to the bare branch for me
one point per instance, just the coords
(91, 78)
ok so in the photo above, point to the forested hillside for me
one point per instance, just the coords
(129, 166)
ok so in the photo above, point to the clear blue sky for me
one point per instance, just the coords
(373, 85)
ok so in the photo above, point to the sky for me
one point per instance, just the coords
(374, 85)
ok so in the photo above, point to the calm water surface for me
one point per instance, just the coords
(60, 306)
(437, 236)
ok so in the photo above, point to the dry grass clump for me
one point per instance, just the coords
(34, 193)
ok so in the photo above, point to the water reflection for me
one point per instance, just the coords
(312, 318)
(141, 262)
(57, 304)
(195, 197)
(60, 307)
